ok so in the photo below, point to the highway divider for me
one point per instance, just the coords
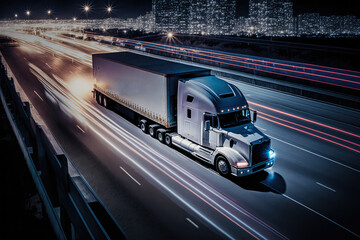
(73, 208)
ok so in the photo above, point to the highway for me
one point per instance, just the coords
(156, 192)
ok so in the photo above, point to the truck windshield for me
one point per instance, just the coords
(234, 118)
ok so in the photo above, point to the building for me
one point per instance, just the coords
(220, 16)
(308, 24)
(195, 16)
(165, 12)
(271, 17)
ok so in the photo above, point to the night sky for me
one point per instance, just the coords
(134, 8)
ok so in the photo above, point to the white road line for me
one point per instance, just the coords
(314, 211)
(318, 155)
(261, 128)
(192, 222)
(48, 65)
(80, 128)
(130, 176)
(325, 186)
(38, 96)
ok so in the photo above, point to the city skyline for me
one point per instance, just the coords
(129, 9)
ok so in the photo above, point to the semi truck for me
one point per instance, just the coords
(184, 106)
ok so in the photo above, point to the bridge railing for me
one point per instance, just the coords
(73, 208)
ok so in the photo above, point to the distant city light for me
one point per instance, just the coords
(28, 13)
(74, 18)
(16, 15)
(49, 12)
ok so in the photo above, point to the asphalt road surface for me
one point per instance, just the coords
(156, 192)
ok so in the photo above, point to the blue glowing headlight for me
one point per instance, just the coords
(272, 154)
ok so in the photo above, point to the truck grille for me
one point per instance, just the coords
(260, 152)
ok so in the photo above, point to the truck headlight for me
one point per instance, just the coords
(241, 164)
(272, 154)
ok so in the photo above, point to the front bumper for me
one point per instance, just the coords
(241, 172)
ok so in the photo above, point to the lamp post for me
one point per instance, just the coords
(86, 9)
(28, 14)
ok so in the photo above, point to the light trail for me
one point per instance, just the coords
(252, 68)
(173, 49)
(304, 119)
(234, 57)
(311, 129)
(314, 135)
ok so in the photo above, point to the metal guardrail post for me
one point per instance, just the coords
(63, 189)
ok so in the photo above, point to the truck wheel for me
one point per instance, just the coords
(168, 140)
(98, 96)
(105, 102)
(144, 126)
(222, 166)
(160, 135)
(101, 99)
(152, 130)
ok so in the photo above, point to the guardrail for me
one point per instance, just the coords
(74, 210)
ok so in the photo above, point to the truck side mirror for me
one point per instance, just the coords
(254, 116)
(207, 125)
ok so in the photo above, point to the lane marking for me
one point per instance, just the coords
(80, 128)
(48, 65)
(195, 225)
(38, 96)
(314, 211)
(131, 176)
(263, 129)
(325, 186)
(318, 155)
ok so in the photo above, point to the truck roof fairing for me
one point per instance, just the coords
(223, 94)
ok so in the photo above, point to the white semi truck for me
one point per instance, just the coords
(186, 107)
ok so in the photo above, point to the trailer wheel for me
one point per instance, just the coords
(98, 96)
(160, 135)
(152, 130)
(222, 166)
(144, 126)
(168, 140)
(101, 99)
(105, 102)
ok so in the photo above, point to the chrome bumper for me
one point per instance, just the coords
(241, 172)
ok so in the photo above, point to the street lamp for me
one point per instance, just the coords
(170, 34)
(28, 13)
(109, 9)
(16, 15)
(74, 19)
(86, 9)
(49, 12)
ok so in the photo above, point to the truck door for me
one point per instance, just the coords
(209, 135)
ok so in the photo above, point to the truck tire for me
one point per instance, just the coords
(161, 135)
(168, 140)
(105, 102)
(153, 129)
(98, 96)
(144, 126)
(222, 166)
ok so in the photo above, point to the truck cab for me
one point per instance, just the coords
(214, 123)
